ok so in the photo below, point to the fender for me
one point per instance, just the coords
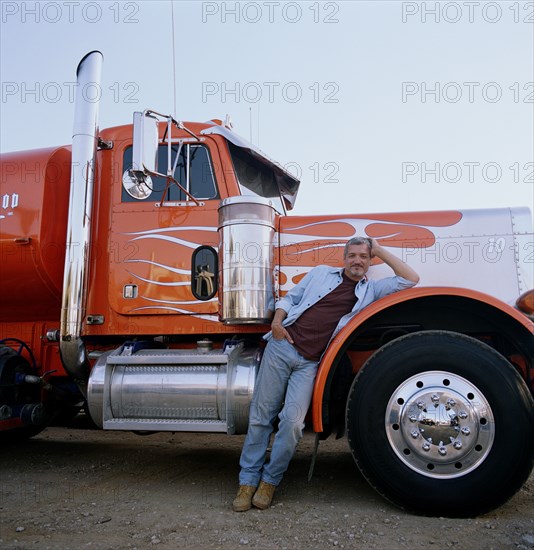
(340, 340)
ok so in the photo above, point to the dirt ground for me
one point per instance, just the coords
(82, 488)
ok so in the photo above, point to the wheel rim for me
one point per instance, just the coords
(440, 424)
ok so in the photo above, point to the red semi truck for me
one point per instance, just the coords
(139, 268)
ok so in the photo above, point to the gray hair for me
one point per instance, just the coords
(356, 241)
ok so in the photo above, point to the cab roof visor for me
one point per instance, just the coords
(287, 183)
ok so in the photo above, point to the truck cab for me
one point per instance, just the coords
(160, 261)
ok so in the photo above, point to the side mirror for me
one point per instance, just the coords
(145, 144)
(137, 181)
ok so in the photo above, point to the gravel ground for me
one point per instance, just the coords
(82, 488)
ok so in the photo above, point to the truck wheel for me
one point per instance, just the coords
(441, 424)
(14, 396)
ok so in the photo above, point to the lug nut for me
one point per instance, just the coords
(415, 434)
(442, 451)
(426, 446)
(465, 431)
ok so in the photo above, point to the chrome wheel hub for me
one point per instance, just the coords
(439, 424)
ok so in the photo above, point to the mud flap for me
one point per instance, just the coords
(314, 455)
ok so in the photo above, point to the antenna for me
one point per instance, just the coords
(173, 60)
(250, 122)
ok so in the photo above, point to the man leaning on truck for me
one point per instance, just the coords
(304, 322)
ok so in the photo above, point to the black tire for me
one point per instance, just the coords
(11, 365)
(392, 409)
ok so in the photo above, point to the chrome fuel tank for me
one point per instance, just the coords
(174, 390)
(246, 260)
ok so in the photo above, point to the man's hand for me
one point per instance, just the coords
(375, 247)
(279, 332)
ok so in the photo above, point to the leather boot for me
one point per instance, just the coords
(263, 496)
(243, 500)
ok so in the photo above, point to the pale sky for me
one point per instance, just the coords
(378, 106)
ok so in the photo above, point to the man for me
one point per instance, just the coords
(304, 322)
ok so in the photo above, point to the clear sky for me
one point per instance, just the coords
(378, 106)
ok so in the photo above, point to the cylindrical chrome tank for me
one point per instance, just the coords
(246, 260)
(174, 390)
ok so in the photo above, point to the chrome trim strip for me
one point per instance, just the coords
(163, 425)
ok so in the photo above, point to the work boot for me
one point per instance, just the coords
(243, 500)
(264, 495)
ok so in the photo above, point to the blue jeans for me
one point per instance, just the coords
(284, 387)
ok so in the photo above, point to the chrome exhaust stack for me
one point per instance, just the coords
(84, 147)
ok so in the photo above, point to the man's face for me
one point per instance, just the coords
(357, 261)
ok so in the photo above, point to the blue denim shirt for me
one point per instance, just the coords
(323, 279)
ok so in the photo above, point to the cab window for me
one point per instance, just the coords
(193, 171)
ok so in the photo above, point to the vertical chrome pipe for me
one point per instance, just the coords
(84, 147)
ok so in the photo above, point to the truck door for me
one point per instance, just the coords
(163, 244)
